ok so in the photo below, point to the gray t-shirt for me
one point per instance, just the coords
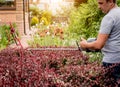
(111, 25)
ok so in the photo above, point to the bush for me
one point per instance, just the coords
(46, 17)
(38, 16)
(39, 67)
(85, 20)
(6, 37)
(34, 21)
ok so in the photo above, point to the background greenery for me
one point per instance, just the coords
(5, 35)
(38, 16)
(85, 20)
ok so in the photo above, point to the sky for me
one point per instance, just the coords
(53, 4)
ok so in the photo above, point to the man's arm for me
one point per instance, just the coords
(98, 44)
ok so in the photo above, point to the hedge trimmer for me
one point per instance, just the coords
(87, 50)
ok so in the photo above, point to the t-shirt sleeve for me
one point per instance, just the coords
(106, 25)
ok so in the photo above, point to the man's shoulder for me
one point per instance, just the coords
(112, 14)
(114, 11)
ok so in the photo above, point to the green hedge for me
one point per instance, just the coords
(85, 20)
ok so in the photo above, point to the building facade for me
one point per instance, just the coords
(15, 11)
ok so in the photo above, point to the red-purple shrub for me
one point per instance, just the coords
(50, 68)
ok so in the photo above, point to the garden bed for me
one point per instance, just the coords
(33, 67)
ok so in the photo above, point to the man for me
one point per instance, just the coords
(108, 39)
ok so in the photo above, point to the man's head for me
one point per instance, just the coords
(106, 5)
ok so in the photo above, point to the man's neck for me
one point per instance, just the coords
(114, 6)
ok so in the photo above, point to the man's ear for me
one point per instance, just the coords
(111, 1)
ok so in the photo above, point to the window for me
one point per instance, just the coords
(7, 4)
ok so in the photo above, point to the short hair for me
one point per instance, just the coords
(114, 1)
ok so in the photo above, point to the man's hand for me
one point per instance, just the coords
(83, 43)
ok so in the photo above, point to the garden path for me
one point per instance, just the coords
(24, 41)
(25, 38)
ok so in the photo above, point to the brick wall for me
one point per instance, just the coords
(15, 16)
